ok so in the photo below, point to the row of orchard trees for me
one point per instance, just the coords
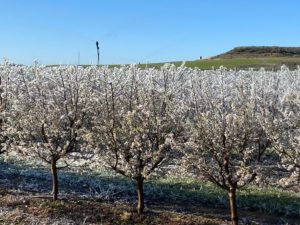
(217, 124)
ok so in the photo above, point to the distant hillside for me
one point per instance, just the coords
(271, 58)
(261, 51)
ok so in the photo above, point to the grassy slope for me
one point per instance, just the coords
(231, 63)
(269, 57)
(269, 62)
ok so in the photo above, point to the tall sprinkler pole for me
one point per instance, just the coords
(98, 53)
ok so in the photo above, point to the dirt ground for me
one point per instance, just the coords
(24, 208)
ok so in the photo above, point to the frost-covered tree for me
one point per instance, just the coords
(137, 123)
(5, 72)
(49, 115)
(282, 120)
(226, 134)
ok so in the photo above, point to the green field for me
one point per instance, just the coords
(267, 62)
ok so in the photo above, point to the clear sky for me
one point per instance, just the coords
(131, 31)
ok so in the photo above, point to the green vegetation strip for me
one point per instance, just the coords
(269, 62)
(172, 191)
(231, 63)
(190, 191)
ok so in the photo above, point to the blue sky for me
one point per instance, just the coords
(131, 31)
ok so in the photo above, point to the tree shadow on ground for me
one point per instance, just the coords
(176, 196)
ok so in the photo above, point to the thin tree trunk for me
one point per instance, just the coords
(233, 208)
(54, 180)
(140, 194)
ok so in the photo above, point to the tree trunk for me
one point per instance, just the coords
(233, 208)
(140, 194)
(54, 180)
